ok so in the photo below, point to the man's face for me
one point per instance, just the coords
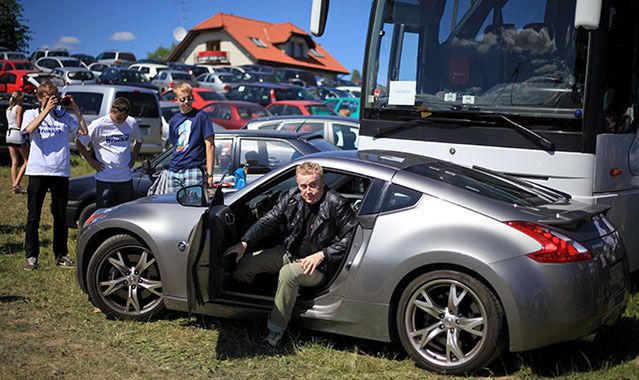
(311, 187)
(119, 114)
(185, 100)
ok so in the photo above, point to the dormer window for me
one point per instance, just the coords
(258, 42)
(316, 53)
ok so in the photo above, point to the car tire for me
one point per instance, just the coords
(123, 279)
(86, 212)
(451, 323)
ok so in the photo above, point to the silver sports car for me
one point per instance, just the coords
(453, 262)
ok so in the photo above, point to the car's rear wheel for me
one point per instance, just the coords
(123, 279)
(450, 322)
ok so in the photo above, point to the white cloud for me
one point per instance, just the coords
(69, 40)
(122, 36)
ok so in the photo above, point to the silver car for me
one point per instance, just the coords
(219, 82)
(166, 79)
(74, 75)
(453, 262)
(48, 64)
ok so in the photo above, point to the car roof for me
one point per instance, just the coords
(306, 117)
(270, 133)
(378, 157)
(268, 84)
(79, 68)
(297, 102)
(102, 89)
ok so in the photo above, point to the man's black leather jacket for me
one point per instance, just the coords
(332, 230)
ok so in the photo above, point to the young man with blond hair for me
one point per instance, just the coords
(191, 134)
(49, 168)
(318, 226)
(112, 136)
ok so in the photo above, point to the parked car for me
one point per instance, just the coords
(486, 261)
(342, 132)
(299, 107)
(201, 96)
(95, 100)
(124, 76)
(218, 82)
(40, 53)
(269, 150)
(15, 80)
(84, 58)
(233, 114)
(267, 93)
(149, 69)
(116, 57)
(47, 64)
(354, 91)
(9, 65)
(98, 68)
(296, 76)
(337, 103)
(165, 79)
(193, 70)
(74, 75)
(326, 92)
(13, 56)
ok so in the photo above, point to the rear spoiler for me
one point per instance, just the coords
(563, 218)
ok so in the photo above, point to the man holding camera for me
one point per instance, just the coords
(111, 136)
(49, 168)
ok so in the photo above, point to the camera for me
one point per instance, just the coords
(65, 102)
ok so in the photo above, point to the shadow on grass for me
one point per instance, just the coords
(11, 299)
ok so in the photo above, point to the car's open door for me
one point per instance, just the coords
(206, 274)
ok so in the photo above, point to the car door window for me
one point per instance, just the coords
(292, 110)
(345, 136)
(4, 78)
(399, 197)
(291, 126)
(312, 127)
(261, 156)
(222, 112)
(89, 103)
(276, 110)
(223, 155)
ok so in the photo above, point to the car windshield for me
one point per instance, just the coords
(133, 76)
(23, 66)
(293, 94)
(319, 110)
(517, 56)
(207, 95)
(251, 112)
(142, 104)
(71, 63)
(484, 183)
(181, 76)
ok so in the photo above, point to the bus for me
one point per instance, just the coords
(544, 90)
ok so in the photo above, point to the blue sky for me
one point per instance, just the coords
(140, 26)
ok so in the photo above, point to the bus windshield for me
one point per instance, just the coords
(522, 57)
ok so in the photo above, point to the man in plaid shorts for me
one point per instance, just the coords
(192, 136)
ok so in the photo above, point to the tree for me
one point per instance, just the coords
(14, 33)
(356, 77)
(161, 53)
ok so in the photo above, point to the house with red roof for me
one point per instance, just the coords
(234, 40)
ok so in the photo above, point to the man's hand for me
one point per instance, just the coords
(97, 165)
(237, 249)
(309, 263)
(52, 102)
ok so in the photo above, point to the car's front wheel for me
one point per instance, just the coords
(123, 279)
(450, 322)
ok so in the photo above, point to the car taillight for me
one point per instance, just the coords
(171, 84)
(555, 247)
(227, 88)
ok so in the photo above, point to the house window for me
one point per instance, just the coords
(316, 53)
(213, 45)
(258, 42)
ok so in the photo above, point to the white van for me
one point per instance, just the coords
(149, 70)
(95, 101)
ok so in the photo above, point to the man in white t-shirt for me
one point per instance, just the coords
(112, 136)
(49, 169)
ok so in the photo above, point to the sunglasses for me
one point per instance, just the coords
(185, 99)
(121, 109)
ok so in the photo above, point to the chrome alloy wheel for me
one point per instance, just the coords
(128, 281)
(446, 323)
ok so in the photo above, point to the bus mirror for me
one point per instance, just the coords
(588, 14)
(319, 13)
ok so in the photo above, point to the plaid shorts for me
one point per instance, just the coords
(182, 178)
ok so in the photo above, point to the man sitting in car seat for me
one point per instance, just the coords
(318, 226)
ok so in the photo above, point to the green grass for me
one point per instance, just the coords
(48, 329)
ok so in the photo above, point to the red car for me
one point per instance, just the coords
(201, 96)
(299, 107)
(234, 114)
(12, 65)
(15, 81)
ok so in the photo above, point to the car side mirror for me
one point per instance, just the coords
(146, 165)
(192, 196)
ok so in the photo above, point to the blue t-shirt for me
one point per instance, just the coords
(187, 133)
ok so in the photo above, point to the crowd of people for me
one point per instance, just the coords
(110, 144)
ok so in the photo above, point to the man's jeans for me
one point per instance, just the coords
(291, 277)
(109, 194)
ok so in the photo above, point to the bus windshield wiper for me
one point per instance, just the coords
(529, 133)
(428, 120)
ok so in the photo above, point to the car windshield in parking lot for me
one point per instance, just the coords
(180, 76)
(70, 63)
(485, 184)
(133, 76)
(142, 104)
